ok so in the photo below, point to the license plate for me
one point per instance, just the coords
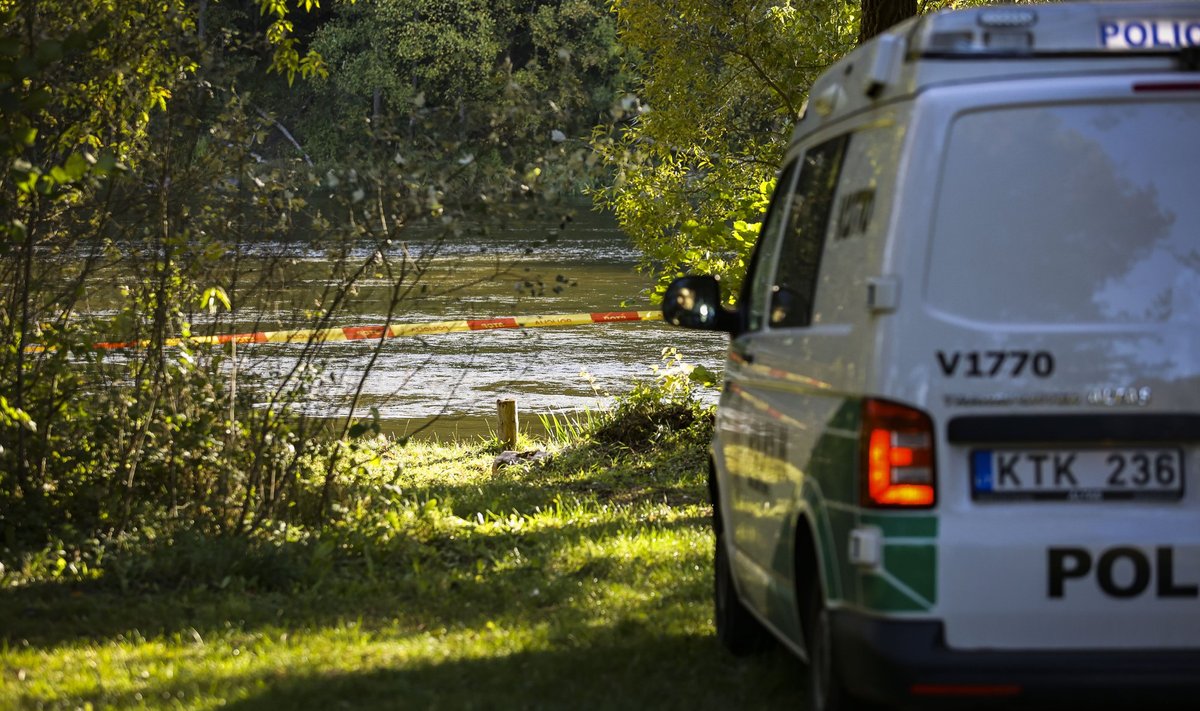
(1077, 474)
(1148, 34)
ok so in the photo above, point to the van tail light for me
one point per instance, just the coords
(897, 453)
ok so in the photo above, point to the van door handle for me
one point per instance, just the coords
(745, 356)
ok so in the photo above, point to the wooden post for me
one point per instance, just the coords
(506, 409)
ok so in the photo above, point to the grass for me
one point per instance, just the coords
(581, 582)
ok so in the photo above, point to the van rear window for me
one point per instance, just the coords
(1070, 213)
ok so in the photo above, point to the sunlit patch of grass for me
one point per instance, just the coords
(584, 581)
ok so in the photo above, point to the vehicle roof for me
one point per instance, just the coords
(1003, 42)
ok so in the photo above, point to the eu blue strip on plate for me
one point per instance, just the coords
(981, 466)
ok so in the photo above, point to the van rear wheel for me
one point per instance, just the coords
(737, 629)
(825, 692)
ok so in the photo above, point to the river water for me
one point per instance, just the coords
(447, 385)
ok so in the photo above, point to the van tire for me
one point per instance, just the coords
(738, 630)
(825, 691)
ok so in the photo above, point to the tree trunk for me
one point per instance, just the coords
(878, 15)
(201, 20)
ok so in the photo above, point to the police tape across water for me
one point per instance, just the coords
(351, 333)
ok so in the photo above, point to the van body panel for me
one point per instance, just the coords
(781, 468)
(1076, 575)
(767, 456)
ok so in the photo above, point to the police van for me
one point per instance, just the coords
(957, 451)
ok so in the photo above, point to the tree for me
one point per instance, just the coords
(393, 63)
(878, 15)
(443, 50)
(694, 154)
(79, 82)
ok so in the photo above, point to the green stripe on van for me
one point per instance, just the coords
(826, 537)
(908, 580)
(915, 567)
(880, 594)
(901, 526)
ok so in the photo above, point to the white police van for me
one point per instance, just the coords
(958, 449)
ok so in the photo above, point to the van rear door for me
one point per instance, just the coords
(1060, 335)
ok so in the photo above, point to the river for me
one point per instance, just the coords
(447, 385)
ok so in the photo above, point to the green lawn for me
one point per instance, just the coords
(584, 582)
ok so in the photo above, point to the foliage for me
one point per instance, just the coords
(280, 34)
(404, 48)
(722, 83)
(511, 79)
(135, 209)
(656, 410)
(78, 105)
(564, 428)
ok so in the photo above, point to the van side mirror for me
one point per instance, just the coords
(695, 302)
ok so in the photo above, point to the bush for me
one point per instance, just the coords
(657, 410)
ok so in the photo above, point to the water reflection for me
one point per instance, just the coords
(1070, 214)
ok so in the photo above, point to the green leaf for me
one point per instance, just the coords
(10, 416)
(76, 166)
(278, 8)
(214, 295)
(26, 135)
(26, 181)
(703, 376)
(107, 162)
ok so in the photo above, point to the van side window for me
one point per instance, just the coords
(795, 284)
(757, 287)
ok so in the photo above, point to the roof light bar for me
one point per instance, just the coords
(1007, 18)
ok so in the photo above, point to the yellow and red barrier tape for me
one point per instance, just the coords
(430, 328)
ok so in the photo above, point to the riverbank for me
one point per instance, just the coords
(444, 582)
